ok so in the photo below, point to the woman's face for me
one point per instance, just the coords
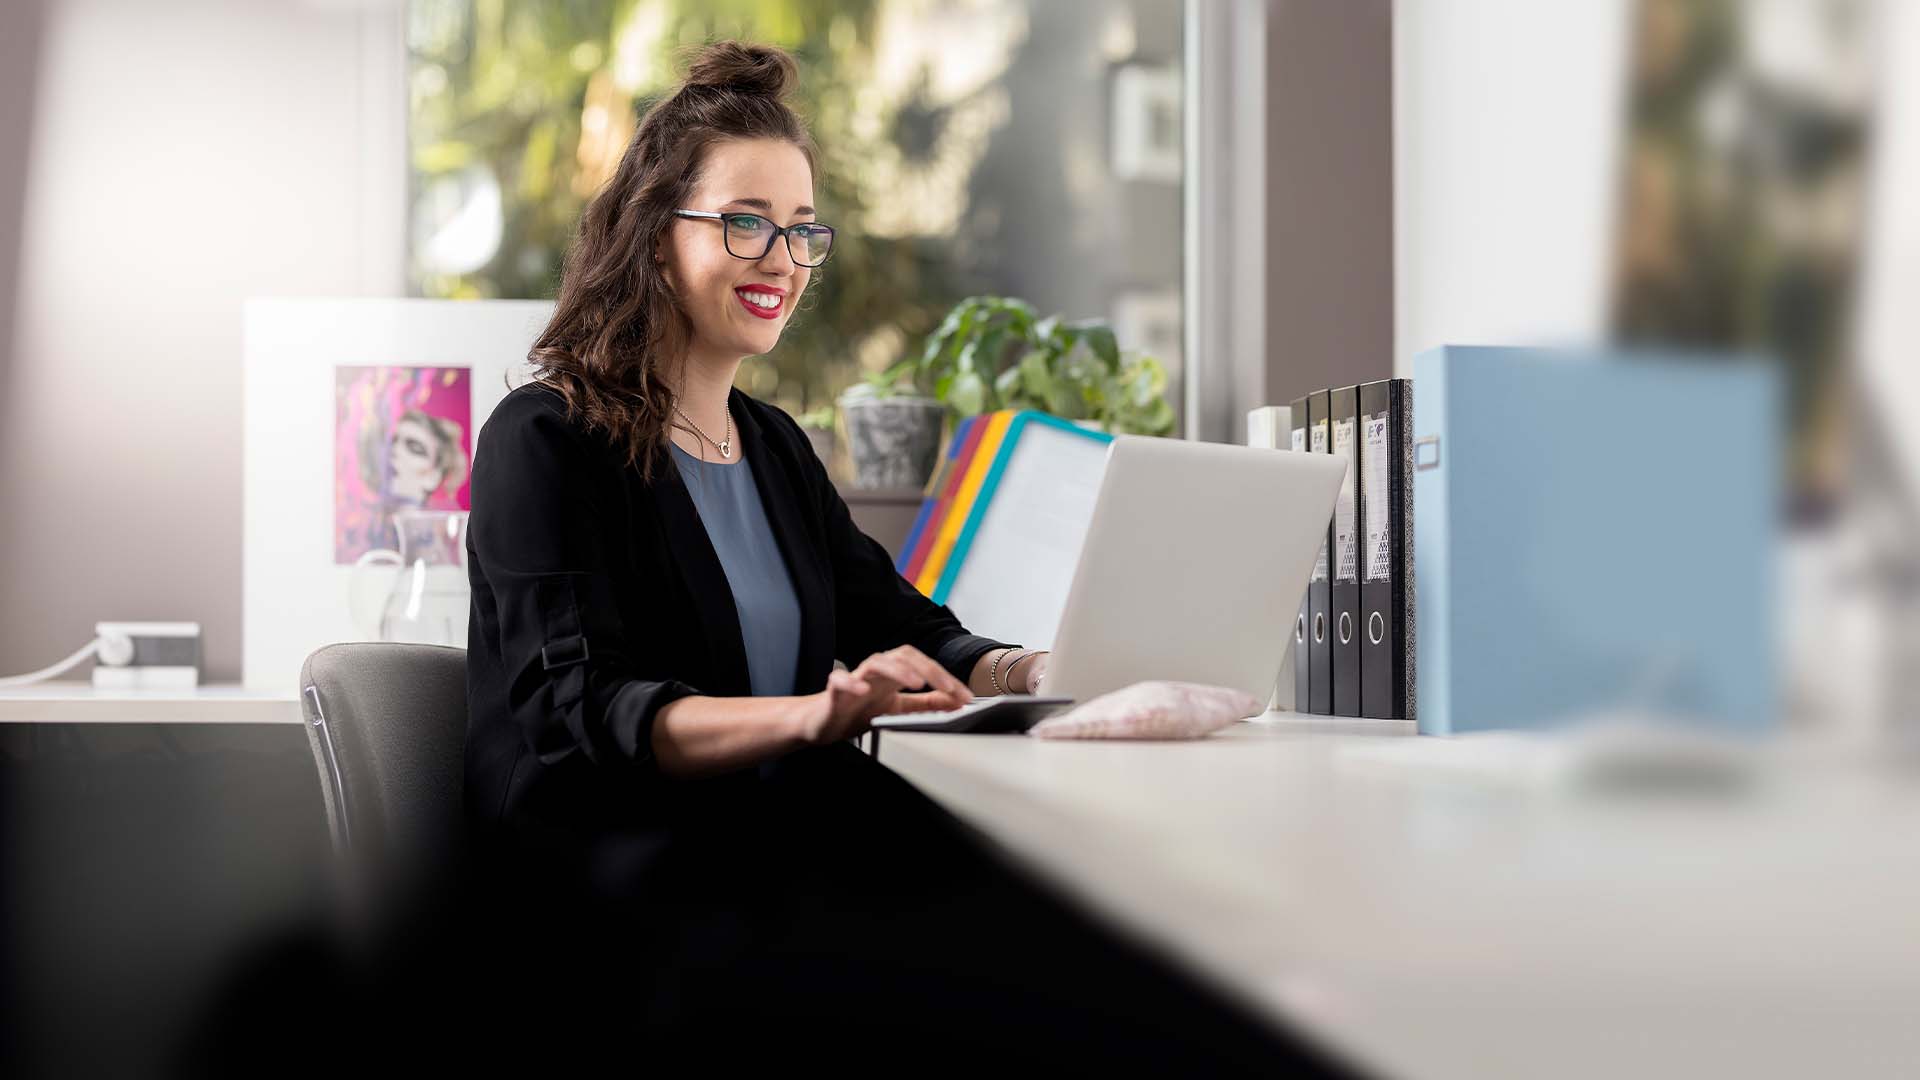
(738, 306)
(414, 468)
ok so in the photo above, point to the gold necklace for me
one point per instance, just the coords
(725, 446)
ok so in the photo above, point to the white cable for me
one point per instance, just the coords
(50, 672)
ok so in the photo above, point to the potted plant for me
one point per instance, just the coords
(893, 434)
(995, 352)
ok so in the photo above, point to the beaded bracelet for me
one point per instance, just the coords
(993, 671)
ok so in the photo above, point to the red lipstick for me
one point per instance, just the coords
(771, 302)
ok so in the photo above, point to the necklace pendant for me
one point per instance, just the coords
(726, 449)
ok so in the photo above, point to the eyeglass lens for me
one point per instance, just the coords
(751, 237)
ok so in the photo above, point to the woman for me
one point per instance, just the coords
(663, 576)
(662, 573)
(423, 457)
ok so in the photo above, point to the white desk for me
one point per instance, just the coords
(79, 703)
(1395, 897)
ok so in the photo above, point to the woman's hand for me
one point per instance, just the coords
(899, 680)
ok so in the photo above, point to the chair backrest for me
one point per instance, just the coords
(387, 722)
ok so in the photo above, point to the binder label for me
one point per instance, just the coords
(1299, 439)
(1320, 447)
(1345, 541)
(1374, 491)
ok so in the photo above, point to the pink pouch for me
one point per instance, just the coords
(1152, 710)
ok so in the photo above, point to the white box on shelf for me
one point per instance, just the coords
(147, 655)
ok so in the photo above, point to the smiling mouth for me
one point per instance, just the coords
(763, 304)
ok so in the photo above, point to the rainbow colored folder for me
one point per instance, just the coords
(913, 554)
(950, 498)
(988, 466)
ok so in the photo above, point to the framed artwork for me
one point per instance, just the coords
(402, 438)
(356, 410)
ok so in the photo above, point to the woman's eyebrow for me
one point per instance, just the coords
(764, 206)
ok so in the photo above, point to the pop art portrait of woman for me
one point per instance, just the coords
(402, 440)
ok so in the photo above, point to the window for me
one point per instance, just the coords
(1041, 159)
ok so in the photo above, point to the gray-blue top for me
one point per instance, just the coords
(763, 595)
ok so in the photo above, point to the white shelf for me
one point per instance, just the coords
(1283, 720)
(70, 702)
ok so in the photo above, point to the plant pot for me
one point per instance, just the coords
(894, 442)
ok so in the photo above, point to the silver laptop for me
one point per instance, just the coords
(1192, 570)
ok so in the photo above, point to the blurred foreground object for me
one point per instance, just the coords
(1594, 532)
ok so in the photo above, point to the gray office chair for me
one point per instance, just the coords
(387, 723)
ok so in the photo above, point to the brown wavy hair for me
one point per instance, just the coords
(617, 339)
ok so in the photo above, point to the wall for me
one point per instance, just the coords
(177, 158)
(1330, 207)
(1506, 134)
(20, 27)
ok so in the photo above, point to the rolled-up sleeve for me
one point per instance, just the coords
(536, 529)
(878, 609)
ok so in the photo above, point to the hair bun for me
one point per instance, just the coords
(761, 70)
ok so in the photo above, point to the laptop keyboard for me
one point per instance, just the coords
(975, 706)
(947, 714)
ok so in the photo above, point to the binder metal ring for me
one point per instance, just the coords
(1300, 628)
(1376, 628)
(1346, 628)
(1319, 627)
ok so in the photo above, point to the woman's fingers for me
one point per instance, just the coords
(937, 677)
(902, 679)
(848, 683)
(892, 669)
(914, 669)
(929, 701)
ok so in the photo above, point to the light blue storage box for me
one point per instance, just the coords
(1593, 534)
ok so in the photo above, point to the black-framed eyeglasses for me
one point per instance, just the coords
(750, 236)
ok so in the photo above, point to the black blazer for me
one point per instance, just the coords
(598, 599)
